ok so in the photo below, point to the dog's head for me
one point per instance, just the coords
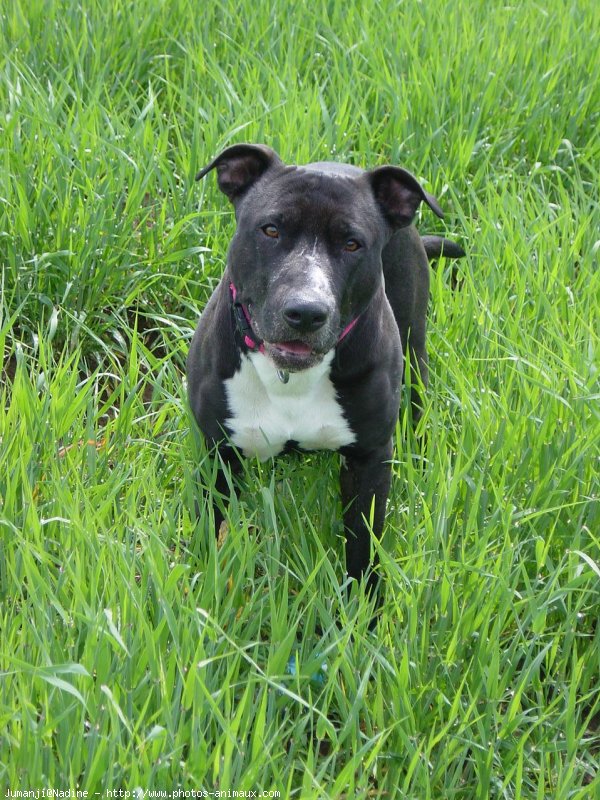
(306, 255)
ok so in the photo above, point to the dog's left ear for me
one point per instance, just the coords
(398, 194)
(239, 166)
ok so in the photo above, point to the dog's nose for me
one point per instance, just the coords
(305, 316)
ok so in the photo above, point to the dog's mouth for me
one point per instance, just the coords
(292, 356)
(288, 355)
(295, 348)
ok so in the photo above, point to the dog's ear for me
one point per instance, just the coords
(398, 194)
(239, 166)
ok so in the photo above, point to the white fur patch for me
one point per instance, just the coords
(266, 413)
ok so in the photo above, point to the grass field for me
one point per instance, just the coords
(135, 654)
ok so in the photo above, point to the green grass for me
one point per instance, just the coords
(133, 651)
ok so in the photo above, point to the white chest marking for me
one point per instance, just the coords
(266, 413)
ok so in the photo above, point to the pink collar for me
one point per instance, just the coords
(241, 317)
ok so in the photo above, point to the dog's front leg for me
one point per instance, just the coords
(365, 484)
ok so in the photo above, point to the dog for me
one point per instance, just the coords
(302, 344)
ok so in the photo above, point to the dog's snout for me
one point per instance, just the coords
(305, 316)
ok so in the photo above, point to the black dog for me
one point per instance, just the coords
(301, 345)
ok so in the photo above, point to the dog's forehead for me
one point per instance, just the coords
(322, 190)
(333, 169)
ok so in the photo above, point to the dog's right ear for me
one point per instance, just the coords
(239, 166)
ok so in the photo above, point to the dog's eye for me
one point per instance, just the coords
(270, 231)
(352, 246)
